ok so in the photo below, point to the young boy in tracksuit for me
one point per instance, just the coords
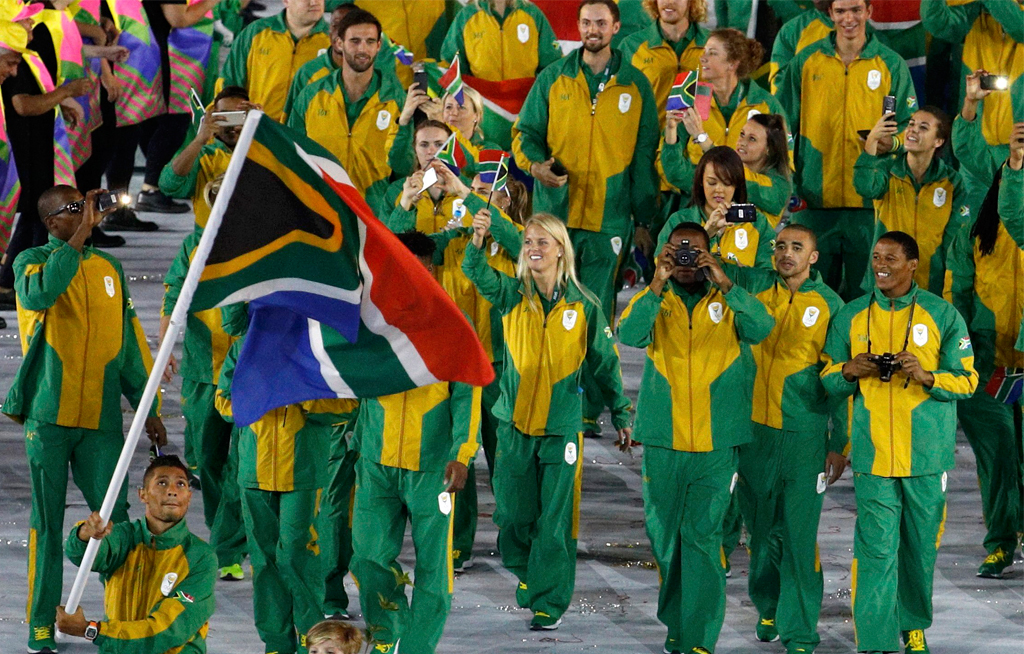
(698, 335)
(415, 448)
(781, 483)
(903, 434)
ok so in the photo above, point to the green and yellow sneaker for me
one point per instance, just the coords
(522, 596)
(699, 650)
(42, 640)
(544, 622)
(915, 642)
(232, 573)
(995, 564)
(766, 631)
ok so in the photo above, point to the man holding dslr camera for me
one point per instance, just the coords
(83, 349)
(698, 328)
(905, 356)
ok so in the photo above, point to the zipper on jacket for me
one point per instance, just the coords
(536, 375)
(771, 358)
(501, 44)
(892, 419)
(88, 329)
(689, 373)
(842, 159)
(401, 431)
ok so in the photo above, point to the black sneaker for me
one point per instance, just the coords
(101, 239)
(3, 324)
(7, 301)
(125, 220)
(157, 202)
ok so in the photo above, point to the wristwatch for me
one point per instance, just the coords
(700, 138)
(92, 630)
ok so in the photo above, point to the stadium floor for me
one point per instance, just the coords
(616, 589)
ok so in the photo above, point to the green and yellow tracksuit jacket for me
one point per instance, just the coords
(495, 48)
(900, 428)
(546, 346)
(419, 25)
(206, 344)
(607, 141)
(748, 244)
(992, 33)
(286, 449)
(356, 132)
(158, 594)
(421, 429)
(988, 290)
(502, 251)
(265, 57)
(323, 65)
(788, 393)
(82, 343)
(724, 123)
(840, 101)
(978, 157)
(932, 211)
(660, 60)
(696, 387)
(804, 29)
(427, 215)
(212, 163)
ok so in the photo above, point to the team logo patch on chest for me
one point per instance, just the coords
(811, 316)
(741, 239)
(939, 197)
(874, 79)
(715, 312)
(523, 32)
(616, 245)
(167, 585)
(108, 284)
(920, 334)
(569, 319)
(752, 113)
(383, 119)
(625, 101)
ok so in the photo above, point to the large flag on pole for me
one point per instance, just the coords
(339, 307)
(502, 103)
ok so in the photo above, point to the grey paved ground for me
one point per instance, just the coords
(614, 606)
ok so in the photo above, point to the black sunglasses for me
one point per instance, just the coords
(70, 207)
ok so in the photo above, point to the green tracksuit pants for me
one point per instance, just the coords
(92, 456)
(686, 496)
(732, 528)
(994, 432)
(537, 481)
(779, 493)
(598, 259)
(208, 446)
(896, 539)
(844, 246)
(386, 499)
(335, 523)
(227, 536)
(287, 579)
(466, 501)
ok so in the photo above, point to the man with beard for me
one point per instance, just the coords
(588, 133)
(354, 112)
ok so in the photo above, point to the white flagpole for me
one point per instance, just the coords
(178, 317)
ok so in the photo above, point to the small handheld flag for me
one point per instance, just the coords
(493, 169)
(403, 56)
(451, 155)
(451, 81)
(683, 89)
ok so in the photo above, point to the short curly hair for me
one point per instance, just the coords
(698, 10)
(348, 639)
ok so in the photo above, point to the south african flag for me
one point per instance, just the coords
(493, 169)
(684, 88)
(452, 155)
(451, 81)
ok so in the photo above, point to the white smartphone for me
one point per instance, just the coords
(429, 178)
(231, 118)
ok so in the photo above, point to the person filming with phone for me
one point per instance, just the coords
(905, 357)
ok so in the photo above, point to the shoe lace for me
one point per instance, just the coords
(767, 622)
(915, 640)
(42, 633)
(996, 557)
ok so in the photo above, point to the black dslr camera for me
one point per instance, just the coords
(887, 364)
(684, 256)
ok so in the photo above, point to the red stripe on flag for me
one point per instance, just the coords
(509, 95)
(562, 16)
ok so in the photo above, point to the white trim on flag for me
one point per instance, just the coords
(896, 25)
(323, 165)
(260, 289)
(327, 368)
(504, 113)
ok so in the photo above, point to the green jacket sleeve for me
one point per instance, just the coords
(465, 407)
(441, 240)
(236, 67)
(548, 49)
(959, 221)
(1011, 203)
(784, 48)
(222, 401)
(960, 263)
(753, 280)
(675, 161)
(972, 150)
(1010, 15)
(175, 278)
(956, 378)
(402, 156)
(838, 408)
(788, 92)
(603, 361)
(530, 131)
(175, 619)
(498, 288)
(453, 41)
(399, 220)
(906, 95)
(181, 186)
(636, 325)
(871, 175)
(836, 353)
(112, 552)
(299, 83)
(768, 191)
(504, 231)
(753, 322)
(765, 243)
(38, 289)
(948, 23)
(644, 176)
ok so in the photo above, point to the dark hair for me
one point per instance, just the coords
(611, 4)
(163, 461)
(51, 199)
(231, 92)
(748, 52)
(777, 156)
(430, 122)
(692, 228)
(827, 5)
(803, 229)
(986, 226)
(943, 126)
(729, 169)
(356, 17)
(418, 243)
(905, 241)
(519, 209)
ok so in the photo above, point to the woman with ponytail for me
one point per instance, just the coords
(553, 326)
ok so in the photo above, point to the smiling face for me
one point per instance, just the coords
(229, 135)
(358, 47)
(716, 190)
(673, 12)
(893, 271)
(714, 63)
(923, 133)
(597, 27)
(753, 145)
(428, 141)
(541, 249)
(462, 118)
(166, 494)
(850, 17)
(794, 253)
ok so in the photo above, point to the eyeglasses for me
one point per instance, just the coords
(71, 207)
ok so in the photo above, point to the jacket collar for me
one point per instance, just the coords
(575, 63)
(171, 538)
(898, 303)
(278, 23)
(55, 243)
(937, 169)
(872, 46)
(811, 284)
(652, 34)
